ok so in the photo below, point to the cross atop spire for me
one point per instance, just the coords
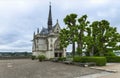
(50, 3)
(50, 18)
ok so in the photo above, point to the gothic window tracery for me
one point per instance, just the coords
(51, 45)
(51, 40)
(57, 46)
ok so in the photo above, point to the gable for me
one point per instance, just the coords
(56, 28)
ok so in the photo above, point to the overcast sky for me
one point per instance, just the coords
(20, 18)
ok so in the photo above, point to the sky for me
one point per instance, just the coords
(20, 18)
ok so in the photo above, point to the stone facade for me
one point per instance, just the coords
(46, 42)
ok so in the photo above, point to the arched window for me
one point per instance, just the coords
(56, 44)
(51, 45)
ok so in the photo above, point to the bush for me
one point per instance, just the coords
(77, 59)
(41, 57)
(100, 61)
(115, 59)
(50, 59)
(61, 58)
(110, 54)
(33, 57)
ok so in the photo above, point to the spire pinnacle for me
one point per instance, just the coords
(33, 34)
(37, 30)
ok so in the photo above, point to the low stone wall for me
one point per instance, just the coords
(15, 57)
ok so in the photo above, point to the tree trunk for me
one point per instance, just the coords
(92, 52)
(73, 49)
(80, 45)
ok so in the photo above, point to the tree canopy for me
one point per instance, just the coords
(94, 39)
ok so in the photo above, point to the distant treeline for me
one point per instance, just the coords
(8, 54)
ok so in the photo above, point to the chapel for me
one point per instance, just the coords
(46, 42)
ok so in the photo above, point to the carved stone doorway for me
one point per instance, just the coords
(58, 54)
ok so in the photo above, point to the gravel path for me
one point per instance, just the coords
(26, 68)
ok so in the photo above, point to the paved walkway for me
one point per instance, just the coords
(25, 68)
(35, 69)
(113, 68)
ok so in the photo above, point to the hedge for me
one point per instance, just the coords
(115, 59)
(77, 59)
(100, 61)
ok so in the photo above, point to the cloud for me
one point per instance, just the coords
(20, 18)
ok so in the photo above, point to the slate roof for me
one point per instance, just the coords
(44, 31)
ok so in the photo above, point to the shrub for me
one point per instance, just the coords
(61, 58)
(100, 61)
(33, 57)
(51, 59)
(115, 59)
(41, 57)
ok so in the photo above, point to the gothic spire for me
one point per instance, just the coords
(50, 18)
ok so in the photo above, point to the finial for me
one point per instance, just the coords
(57, 20)
(50, 3)
(34, 34)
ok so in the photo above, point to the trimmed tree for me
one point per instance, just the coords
(67, 35)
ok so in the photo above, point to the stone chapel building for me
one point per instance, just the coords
(46, 42)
